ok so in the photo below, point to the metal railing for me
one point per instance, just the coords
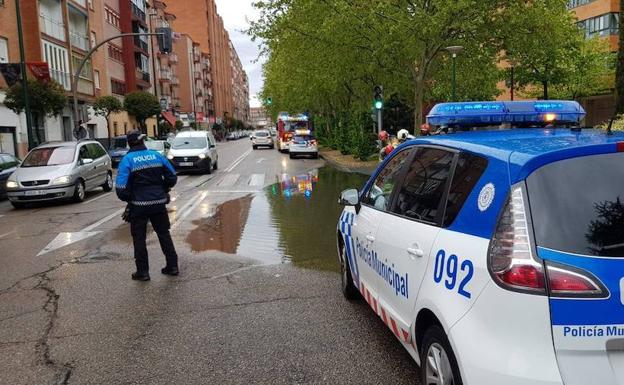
(63, 78)
(138, 42)
(175, 81)
(165, 74)
(142, 75)
(53, 28)
(79, 41)
(136, 12)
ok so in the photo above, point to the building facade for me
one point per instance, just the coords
(598, 18)
(259, 118)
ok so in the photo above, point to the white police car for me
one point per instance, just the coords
(497, 257)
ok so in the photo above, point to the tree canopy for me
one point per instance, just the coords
(47, 98)
(142, 105)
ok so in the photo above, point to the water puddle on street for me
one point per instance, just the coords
(292, 221)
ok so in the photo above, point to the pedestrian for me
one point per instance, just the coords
(80, 132)
(144, 179)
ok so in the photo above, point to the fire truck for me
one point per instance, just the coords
(289, 126)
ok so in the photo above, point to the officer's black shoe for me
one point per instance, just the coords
(140, 277)
(170, 271)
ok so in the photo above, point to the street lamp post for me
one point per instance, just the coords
(20, 35)
(454, 51)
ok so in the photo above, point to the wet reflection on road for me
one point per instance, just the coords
(293, 220)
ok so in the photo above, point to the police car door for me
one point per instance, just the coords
(375, 203)
(405, 237)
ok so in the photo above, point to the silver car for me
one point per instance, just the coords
(60, 171)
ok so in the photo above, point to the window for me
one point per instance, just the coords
(603, 25)
(467, 173)
(95, 151)
(381, 191)
(83, 153)
(118, 87)
(96, 78)
(115, 52)
(577, 3)
(112, 17)
(4, 50)
(425, 184)
(49, 156)
(87, 70)
(7, 162)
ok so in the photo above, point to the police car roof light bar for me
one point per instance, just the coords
(496, 113)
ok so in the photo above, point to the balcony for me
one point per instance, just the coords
(79, 41)
(137, 14)
(165, 75)
(52, 28)
(197, 75)
(140, 44)
(142, 75)
(173, 58)
(175, 81)
(196, 58)
(63, 78)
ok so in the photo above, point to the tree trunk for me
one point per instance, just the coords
(545, 85)
(419, 94)
(108, 129)
(619, 82)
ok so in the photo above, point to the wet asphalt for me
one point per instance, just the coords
(257, 302)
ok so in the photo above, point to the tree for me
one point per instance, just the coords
(141, 105)
(105, 106)
(619, 89)
(47, 99)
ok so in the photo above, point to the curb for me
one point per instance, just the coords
(340, 166)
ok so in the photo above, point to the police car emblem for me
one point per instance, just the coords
(486, 196)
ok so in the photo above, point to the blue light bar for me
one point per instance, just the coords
(496, 113)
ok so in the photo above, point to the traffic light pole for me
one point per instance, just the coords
(29, 126)
(379, 121)
(86, 59)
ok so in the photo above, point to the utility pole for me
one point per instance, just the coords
(154, 69)
(29, 127)
(379, 102)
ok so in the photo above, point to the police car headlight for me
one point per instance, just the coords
(61, 180)
(12, 184)
(170, 157)
(202, 156)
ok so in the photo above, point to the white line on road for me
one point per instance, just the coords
(260, 160)
(103, 220)
(257, 180)
(96, 198)
(237, 161)
(228, 180)
(4, 235)
(189, 209)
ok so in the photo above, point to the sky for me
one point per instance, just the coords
(235, 14)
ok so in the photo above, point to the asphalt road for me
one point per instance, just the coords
(69, 312)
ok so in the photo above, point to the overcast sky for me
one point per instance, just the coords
(235, 14)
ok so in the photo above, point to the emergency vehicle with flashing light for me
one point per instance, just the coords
(290, 125)
(496, 257)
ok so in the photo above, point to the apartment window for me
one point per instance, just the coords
(58, 61)
(87, 70)
(96, 79)
(115, 52)
(118, 87)
(115, 128)
(111, 17)
(93, 39)
(578, 3)
(4, 50)
(603, 25)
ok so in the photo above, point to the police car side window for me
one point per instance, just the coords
(467, 173)
(425, 184)
(381, 190)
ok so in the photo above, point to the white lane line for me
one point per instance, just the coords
(233, 191)
(96, 198)
(257, 180)
(228, 180)
(103, 220)
(260, 160)
(9, 233)
(189, 210)
(237, 161)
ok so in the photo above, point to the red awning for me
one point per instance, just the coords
(169, 117)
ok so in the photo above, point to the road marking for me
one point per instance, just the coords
(260, 160)
(257, 180)
(237, 161)
(4, 235)
(189, 209)
(228, 180)
(234, 191)
(103, 220)
(96, 198)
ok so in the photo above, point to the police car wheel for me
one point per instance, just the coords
(348, 288)
(437, 360)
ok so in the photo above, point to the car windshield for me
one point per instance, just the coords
(190, 143)
(578, 210)
(155, 145)
(261, 134)
(119, 143)
(49, 156)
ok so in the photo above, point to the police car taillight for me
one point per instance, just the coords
(510, 257)
(565, 281)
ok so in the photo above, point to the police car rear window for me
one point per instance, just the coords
(577, 205)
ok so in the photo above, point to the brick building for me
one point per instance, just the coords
(259, 118)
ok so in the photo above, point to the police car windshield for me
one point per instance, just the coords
(577, 205)
(190, 143)
(49, 156)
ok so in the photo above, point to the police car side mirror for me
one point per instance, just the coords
(350, 197)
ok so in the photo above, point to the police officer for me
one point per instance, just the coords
(144, 180)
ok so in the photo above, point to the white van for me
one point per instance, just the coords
(194, 151)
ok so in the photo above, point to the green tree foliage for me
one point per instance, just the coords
(47, 98)
(105, 106)
(142, 105)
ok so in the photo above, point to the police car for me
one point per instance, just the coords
(496, 256)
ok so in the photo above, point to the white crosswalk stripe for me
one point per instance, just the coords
(257, 180)
(229, 180)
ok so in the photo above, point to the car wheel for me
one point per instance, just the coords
(292, 156)
(18, 205)
(348, 287)
(437, 360)
(79, 192)
(108, 185)
(216, 166)
(209, 168)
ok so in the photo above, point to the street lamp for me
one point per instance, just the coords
(454, 51)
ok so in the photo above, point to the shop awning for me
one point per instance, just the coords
(169, 118)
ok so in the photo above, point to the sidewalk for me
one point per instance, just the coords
(347, 162)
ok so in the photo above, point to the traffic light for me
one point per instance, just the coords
(379, 102)
(269, 101)
(165, 40)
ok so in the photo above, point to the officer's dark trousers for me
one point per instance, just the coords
(138, 227)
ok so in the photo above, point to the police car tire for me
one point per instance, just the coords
(348, 287)
(435, 335)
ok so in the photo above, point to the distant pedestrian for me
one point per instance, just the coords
(144, 180)
(80, 132)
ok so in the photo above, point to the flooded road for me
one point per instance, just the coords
(291, 221)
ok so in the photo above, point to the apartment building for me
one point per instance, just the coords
(240, 87)
(259, 118)
(598, 18)
(200, 20)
